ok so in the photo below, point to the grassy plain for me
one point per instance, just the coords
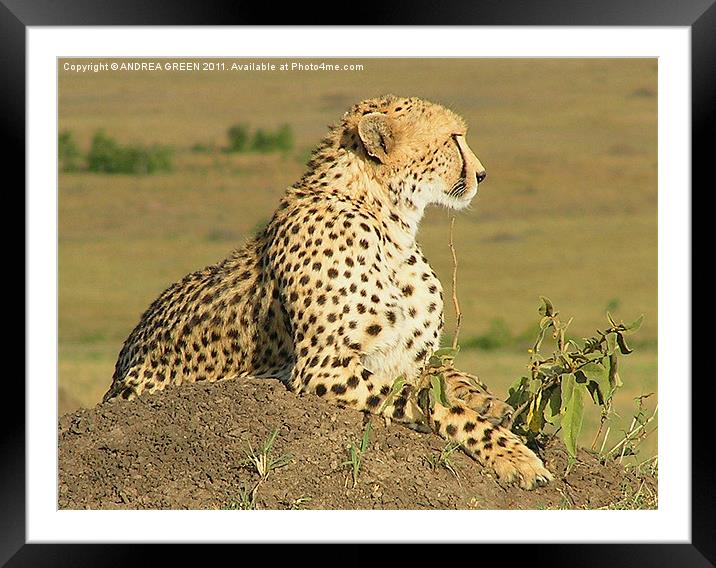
(569, 209)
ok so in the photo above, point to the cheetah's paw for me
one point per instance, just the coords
(522, 468)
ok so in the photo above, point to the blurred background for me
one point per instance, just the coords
(162, 173)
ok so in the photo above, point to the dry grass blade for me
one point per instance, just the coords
(635, 431)
(263, 461)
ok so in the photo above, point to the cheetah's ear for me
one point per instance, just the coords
(376, 133)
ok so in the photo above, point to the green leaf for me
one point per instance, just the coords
(518, 385)
(437, 390)
(614, 380)
(554, 405)
(573, 415)
(517, 392)
(567, 386)
(530, 412)
(611, 343)
(549, 370)
(546, 309)
(598, 372)
(539, 340)
(537, 358)
(590, 343)
(596, 392)
(566, 360)
(395, 389)
(571, 461)
(425, 401)
(446, 352)
(623, 347)
(535, 418)
(366, 437)
(581, 378)
(634, 326)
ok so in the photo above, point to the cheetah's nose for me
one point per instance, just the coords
(481, 176)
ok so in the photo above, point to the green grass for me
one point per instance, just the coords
(640, 495)
(569, 209)
(245, 501)
(444, 458)
(263, 461)
(356, 453)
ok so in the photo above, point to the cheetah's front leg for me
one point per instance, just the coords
(494, 446)
(480, 432)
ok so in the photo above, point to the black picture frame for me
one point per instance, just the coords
(17, 15)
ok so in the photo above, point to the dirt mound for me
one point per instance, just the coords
(185, 448)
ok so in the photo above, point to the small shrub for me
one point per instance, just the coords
(553, 393)
(68, 153)
(262, 141)
(108, 156)
(102, 156)
(559, 383)
(284, 138)
(154, 159)
(238, 138)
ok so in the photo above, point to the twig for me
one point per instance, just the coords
(604, 441)
(519, 410)
(601, 425)
(605, 412)
(456, 304)
(632, 432)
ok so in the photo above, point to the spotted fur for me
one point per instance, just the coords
(334, 296)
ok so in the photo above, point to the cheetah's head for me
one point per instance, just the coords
(418, 149)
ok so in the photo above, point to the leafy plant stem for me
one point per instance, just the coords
(455, 302)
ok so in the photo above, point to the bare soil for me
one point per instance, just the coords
(185, 448)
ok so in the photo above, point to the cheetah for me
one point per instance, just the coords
(335, 297)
